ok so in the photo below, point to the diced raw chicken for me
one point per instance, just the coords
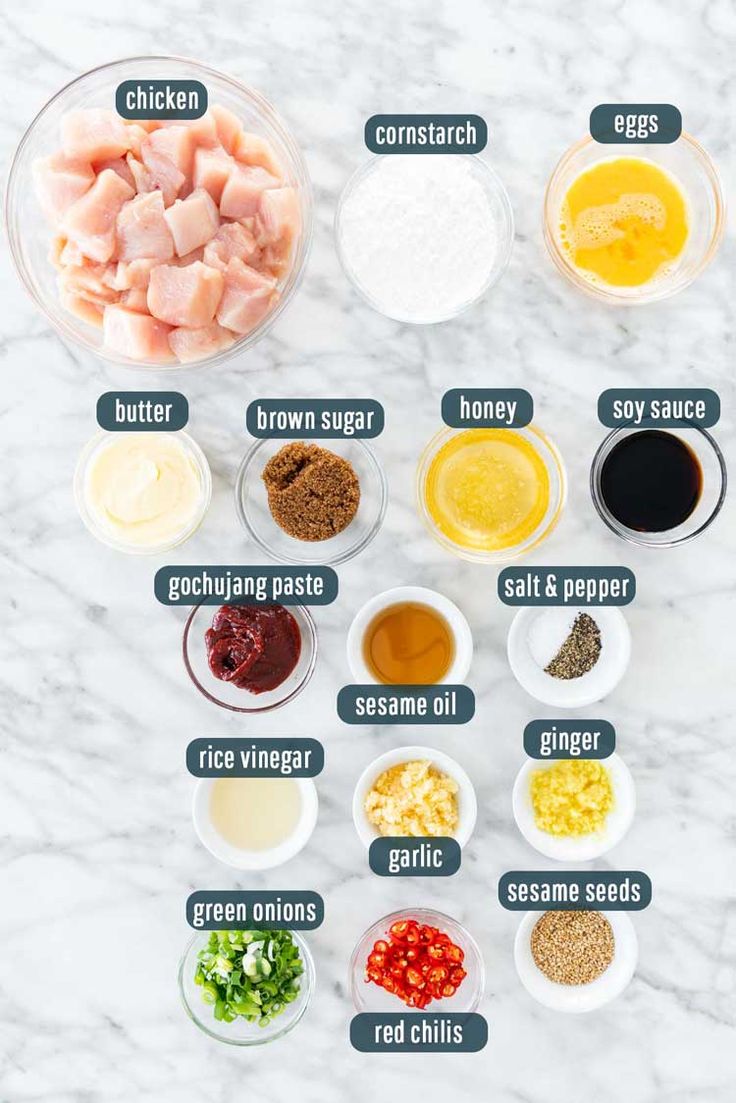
(228, 126)
(202, 130)
(188, 258)
(211, 170)
(185, 296)
(149, 125)
(134, 273)
(254, 150)
(90, 222)
(142, 230)
(61, 181)
(174, 142)
(243, 189)
(231, 240)
(88, 282)
(194, 344)
(193, 221)
(162, 173)
(71, 254)
(135, 299)
(142, 177)
(136, 136)
(94, 134)
(82, 308)
(118, 165)
(136, 336)
(279, 216)
(248, 297)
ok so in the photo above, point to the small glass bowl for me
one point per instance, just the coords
(548, 452)
(691, 166)
(369, 997)
(228, 696)
(502, 213)
(100, 441)
(30, 235)
(241, 1032)
(713, 467)
(251, 502)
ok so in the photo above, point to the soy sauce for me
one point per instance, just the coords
(651, 481)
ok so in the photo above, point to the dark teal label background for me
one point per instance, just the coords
(637, 128)
(471, 1028)
(264, 579)
(535, 728)
(348, 695)
(645, 414)
(412, 142)
(312, 899)
(456, 417)
(187, 86)
(108, 405)
(282, 745)
(563, 579)
(582, 879)
(305, 418)
(382, 850)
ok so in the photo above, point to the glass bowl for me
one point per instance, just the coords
(241, 1032)
(552, 459)
(251, 502)
(691, 166)
(503, 216)
(92, 449)
(709, 504)
(231, 697)
(369, 997)
(30, 236)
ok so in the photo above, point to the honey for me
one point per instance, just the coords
(487, 489)
(408, 643)
(624, 221)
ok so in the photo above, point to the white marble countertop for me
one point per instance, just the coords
(98, 853)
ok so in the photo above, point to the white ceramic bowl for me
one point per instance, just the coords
(578, 998)
(421, 596)
(254, 859)
(580, 848)
(467, 806)
(575, 692)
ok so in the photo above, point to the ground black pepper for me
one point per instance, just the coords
(580, 651)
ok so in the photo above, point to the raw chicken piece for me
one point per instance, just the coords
(94, 135)
(81, 308)
(142, 177)
(185, 296)
(136, 336)
(142, 230)
(248, 297)
(228, 126)
(134, 273)
(118, 165)
(279, 216)
(136, 136)
(231, 240)
(135, 299)
(90, 222)
(211, 170)
(193, 221)
(254, 150)
(203, 131)
(194, 344)
(60, 181)
(174, 142)
(88, 282)
(243, 189)
(162, 173)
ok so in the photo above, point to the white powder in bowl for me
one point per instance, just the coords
(421, 236)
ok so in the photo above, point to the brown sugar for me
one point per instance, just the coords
(312, 493)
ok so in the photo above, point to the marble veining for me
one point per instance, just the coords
(97, 850)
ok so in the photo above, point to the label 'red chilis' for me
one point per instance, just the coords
(418, 1032)
(161, 99)
(426, 134)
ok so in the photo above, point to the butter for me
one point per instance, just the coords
(144, 490)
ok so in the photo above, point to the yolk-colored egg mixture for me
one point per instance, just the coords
(624, 221)
(487, 489)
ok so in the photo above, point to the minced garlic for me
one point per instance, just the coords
(413, 798)
(573, 797)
